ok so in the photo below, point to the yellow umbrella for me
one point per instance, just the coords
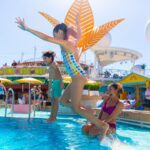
(68, 79)
(3, 80)
(91, 81)
(30, 81)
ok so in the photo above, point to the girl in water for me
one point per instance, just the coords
(110, 110)
(73, 93)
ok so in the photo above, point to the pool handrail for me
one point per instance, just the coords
(6, 101)
(13, 99)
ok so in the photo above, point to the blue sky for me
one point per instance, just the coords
(128, 34)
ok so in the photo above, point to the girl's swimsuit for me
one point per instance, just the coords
(71, 65)
(109, 110)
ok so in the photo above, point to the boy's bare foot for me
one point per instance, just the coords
(50, 120)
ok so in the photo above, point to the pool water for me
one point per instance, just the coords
(65, 134)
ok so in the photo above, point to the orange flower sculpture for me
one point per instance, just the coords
(90, 35)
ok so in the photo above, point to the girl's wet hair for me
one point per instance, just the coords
(62, 27)
(117, 86)
(49, 54)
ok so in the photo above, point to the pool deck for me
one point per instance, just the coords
(136, 115)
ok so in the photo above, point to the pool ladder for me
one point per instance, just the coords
(6, 101)
(13, 102)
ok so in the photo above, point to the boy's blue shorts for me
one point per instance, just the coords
(56, 89)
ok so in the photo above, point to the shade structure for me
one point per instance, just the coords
(29, 80)
(91, 82)
(68, 79)
(110, 55)
(4, 80)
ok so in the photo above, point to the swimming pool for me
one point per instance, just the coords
(65, 134)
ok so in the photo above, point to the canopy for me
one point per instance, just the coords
(135, 79)
(68, 79)
(3, 80)
(29, 80)
(109, 55)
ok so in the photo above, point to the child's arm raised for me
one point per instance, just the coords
(23, 26)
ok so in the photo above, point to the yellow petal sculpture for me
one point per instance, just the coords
(90, 35)
(52, 20)
(86, 19)
(93, 36)
(72, 13)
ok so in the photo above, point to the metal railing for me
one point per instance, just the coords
(6, 101)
